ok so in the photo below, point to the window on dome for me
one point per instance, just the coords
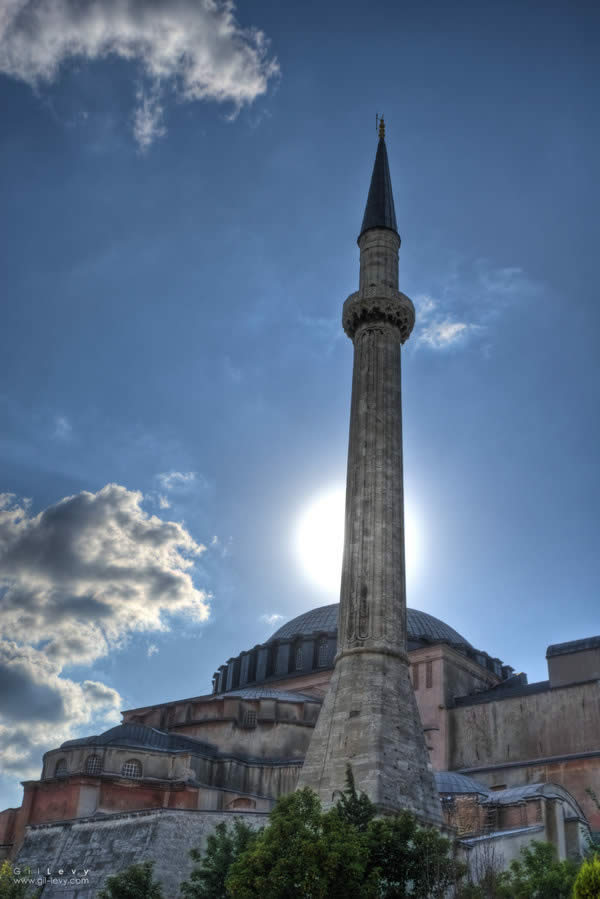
(250, 719)
(93, 765)
(429, 674)
(132, 768)
(61, 769)
(299, 659)
(323, 653)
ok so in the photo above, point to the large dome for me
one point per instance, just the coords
(420, 626)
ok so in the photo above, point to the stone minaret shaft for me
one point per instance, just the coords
(369, 717)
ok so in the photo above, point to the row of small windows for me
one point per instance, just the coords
(93, 765)
(246, 671)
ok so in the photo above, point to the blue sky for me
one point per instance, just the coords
(183, 184)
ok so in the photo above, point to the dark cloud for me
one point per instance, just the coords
(22, 699)
(76, 580)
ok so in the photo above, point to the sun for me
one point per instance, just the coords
(319, 540)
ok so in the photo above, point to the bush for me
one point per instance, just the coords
(587, 882)
(223, 847)
(343, 853)
(302, 853)
(134, 882)
(537, 874)
(9, 888)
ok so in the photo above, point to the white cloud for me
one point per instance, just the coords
(473, 296)
(75, 581)
(152, 650)
(195, 49)
(169, 480)
(441, 334)
(163, 502)
(271, 619)
(148, 119)
(434, 328)
(63, 428)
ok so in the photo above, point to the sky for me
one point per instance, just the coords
(183, 183)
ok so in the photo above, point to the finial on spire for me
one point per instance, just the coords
(379, 212)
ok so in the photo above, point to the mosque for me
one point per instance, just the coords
(506, 761)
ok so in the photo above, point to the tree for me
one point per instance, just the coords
(9, 887)
(135, 882)
(484, 874)
(344, 853)
(587, 882)
(593, 841)
(224, 846)
(408, 860)
(538, 874)
(302, 854)
(354, 808)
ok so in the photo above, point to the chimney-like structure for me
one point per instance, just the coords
(369, 717)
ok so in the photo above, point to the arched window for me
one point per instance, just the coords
(299, 659)
(93, 765)
(323, 654)
(132, 768)
(242, 802)
(61, 769)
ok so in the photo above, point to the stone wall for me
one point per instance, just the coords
(104, 846)
(556, 722)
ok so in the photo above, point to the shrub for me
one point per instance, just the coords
(9, 887)
(587, 882)
(538, 873)
(223, 847)
(134, 882)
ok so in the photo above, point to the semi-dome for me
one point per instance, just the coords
(419, 625)
(450, 783)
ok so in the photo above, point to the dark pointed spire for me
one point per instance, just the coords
(380, 212)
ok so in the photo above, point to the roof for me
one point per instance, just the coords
(451, 782)
(420, 626)
(266, 693)
(143, 737)
(510, 691)
(518, 794)
(139, 736)
(379, 211)
(561, 649)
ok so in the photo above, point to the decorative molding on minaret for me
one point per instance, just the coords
(369, 717)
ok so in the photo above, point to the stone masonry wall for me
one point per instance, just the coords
(104, 846)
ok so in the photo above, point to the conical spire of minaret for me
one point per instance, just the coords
(380, 212)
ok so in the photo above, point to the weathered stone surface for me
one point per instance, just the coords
(104, 846)
(370, 720)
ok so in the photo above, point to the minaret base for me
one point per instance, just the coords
(369, 719)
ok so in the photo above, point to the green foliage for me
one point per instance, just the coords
(408, 860)
(352, 808)
(303, 853)
(224, 846)
(587, 882)
(135, 882)
(9, 888)
(538, 874)
(344, 853)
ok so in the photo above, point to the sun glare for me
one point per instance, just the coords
(319, 540)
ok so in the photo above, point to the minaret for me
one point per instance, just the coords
(369, 716)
